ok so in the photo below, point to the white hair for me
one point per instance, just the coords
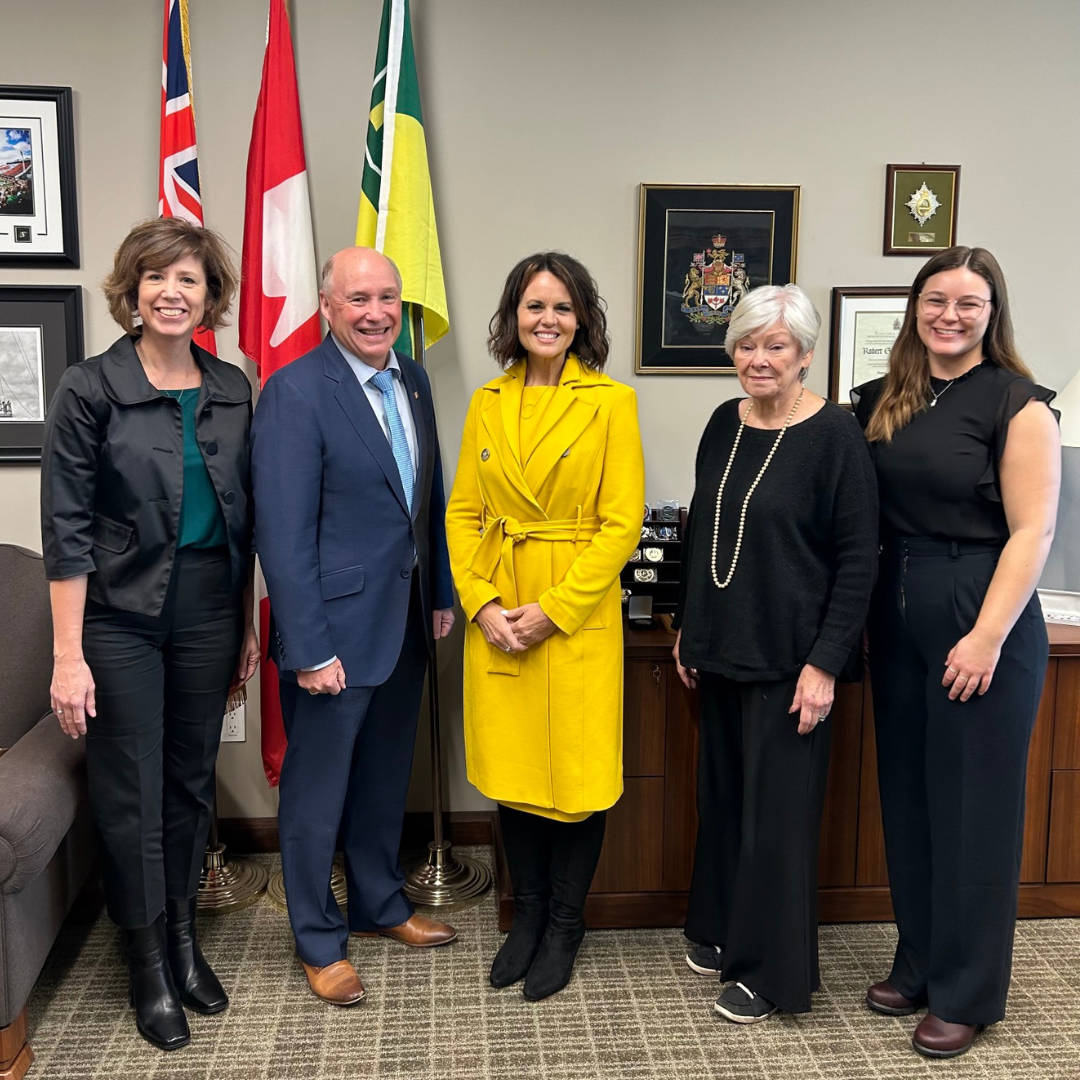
(770, 304)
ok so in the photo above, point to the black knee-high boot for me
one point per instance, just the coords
(575, 851)
(526, 841)
(195, 980)
(159, 1016)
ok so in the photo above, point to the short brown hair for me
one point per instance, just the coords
(907, 384)
(590, 343)
(156, 244)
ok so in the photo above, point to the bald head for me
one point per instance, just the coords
(361, 300)
(348, 255)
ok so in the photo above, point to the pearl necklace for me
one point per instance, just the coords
(757, 480)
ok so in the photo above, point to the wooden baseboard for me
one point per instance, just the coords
(15, 1053)
(246, 836)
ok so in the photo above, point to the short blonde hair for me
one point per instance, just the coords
(156, 244)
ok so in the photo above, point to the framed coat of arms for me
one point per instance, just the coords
(700, 248)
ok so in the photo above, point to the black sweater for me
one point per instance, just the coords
(809, 554)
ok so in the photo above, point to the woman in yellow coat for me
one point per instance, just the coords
(545, 511)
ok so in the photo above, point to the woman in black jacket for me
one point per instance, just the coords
(146, 529)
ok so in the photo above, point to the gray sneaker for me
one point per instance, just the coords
(704, 959)
(740, 1004)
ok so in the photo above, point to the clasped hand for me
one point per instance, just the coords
(514, 629)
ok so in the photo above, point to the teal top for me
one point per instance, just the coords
(201, 522)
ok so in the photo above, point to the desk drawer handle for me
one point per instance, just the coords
(657, 674)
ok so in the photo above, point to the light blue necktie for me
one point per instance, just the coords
(384, 380)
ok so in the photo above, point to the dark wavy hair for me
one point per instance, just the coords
(158, 243)
(907, 385)
(590, 343)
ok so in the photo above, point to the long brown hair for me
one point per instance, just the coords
(590, 343)
(907, 385)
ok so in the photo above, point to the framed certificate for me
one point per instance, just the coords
(866, 320)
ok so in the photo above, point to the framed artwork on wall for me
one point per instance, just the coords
(700, 248)
(41, 333)
(920, 208)
(865, 322)
(38, 211)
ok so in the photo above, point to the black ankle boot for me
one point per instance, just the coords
(527, 848)
(195, 981)
(159, 1016)
(575, 852)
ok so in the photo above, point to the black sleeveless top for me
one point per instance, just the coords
(939, 475)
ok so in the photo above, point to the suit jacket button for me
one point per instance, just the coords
(406, 573)
(227, 498)
(211, 448)
(485, 454)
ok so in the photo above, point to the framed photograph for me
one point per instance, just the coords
(700, 248)
(866, 320)
(41, 333)
(38, 212)
(920, 208)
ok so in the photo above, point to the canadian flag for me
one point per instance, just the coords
(279, 298)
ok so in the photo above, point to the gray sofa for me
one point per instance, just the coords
(47, 848)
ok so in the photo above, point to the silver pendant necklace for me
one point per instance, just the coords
(746, 500)
(935, 395)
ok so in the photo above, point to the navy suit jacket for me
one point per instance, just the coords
(333, 531)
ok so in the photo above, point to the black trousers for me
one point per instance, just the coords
(761, 790)
(343, 783)
(952, 776)
(161, 685)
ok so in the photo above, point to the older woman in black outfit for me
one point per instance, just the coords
(781, 547)
(146, 524)
(968, 464)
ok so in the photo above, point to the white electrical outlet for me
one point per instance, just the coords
(233, 726)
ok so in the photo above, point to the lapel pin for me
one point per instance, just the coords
(416, 394)
(566, 452)
(485, 454)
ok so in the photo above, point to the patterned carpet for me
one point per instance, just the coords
(633, 1010)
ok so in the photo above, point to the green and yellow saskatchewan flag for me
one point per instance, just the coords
(397, 213)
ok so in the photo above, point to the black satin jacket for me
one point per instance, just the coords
(112, 473)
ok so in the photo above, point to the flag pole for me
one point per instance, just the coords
(441, 880)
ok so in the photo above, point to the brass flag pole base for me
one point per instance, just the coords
(275, 891)
(228, 884)
(447, 881)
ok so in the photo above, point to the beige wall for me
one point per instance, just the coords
(543, 118)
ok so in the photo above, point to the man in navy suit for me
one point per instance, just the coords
(350, 534)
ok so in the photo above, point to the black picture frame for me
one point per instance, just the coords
(39, 220)
(41, 334)
(700, 246)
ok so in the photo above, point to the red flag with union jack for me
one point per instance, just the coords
(178, 172)
(279, 298)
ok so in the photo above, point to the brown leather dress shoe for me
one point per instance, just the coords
(883, 998)
(939, 1038)
(336, 983)
(420, 932)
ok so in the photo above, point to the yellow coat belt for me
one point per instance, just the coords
(502, 533)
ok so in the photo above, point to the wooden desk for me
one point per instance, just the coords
(644, 870)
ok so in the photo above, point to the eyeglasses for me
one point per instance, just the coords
(968, 308)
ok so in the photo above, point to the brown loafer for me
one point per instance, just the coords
(420, 932)
(937, 1038)
(883, 998)
(336, 983)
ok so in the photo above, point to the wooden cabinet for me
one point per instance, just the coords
(644, 870)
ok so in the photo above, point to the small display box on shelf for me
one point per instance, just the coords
(655, 567)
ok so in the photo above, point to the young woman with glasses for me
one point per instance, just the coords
(968, 464)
